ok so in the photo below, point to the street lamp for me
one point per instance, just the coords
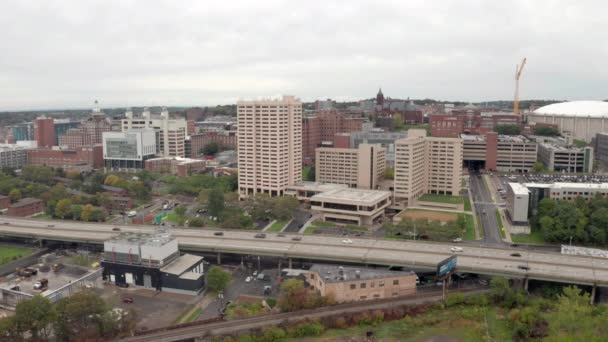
(570, 240)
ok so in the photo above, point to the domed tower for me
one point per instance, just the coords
(380, 98)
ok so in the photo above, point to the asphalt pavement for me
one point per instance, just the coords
(485, 208)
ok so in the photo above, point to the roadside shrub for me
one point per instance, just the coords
(454, 299)
(478, 300)
(246, 338)
(272, 334)
(377, 317)
(271, 302)
(306, 329)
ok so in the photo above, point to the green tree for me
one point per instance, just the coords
(389, 173)
(9, 329)
(63, 208)
(215, 202)
(102, 199)
(139, 190)
(111, 180)
(546, 131)
(98, 214)
(284, 207)
(38, 174)
(36, 316)
(76, 211)
(237, 222)
(87, 212)
(180, 210)
(15, 195)
(508, 129)
(196, 222)
(203, 196)
(78, 316)
(538, 167)
(398, 122)
(218, 279)
(211, 149)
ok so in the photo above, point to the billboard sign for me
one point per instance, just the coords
(446, 266)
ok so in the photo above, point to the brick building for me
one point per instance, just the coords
(73, 137)
(323, 127)
(44, 131)
(226, 140)
(5, 202)
(469, 122)
(349, 284)
(26, 207)
(67, 158)
(181, 167)
(496, 152)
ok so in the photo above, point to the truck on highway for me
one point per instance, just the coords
(132, 213)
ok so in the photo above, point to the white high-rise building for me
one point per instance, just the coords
(270, 145)
(170, 133)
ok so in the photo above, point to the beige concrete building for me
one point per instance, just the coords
(426, 165)
(349, 284)
(170, 133)
(351, 206)
(361, 167)
(270, 145)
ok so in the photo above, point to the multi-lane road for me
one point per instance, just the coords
(482, 260)
(485, 209)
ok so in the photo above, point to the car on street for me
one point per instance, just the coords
(248, 279)
(457, 240)
(457, 249)
(5, 223)
(127, 300)
(523, 267)
(347, 241)
(218, 233)
(281, 235)
(50, 225)
(260, 236)
(516, 255)
(116, 229)
(124, 285)
(296, 238)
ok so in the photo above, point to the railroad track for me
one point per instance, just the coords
(178, 333)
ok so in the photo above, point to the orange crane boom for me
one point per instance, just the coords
(518, 69)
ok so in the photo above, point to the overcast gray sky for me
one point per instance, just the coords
(65, 54)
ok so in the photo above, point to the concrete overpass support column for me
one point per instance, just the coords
(526, 284)
(219, 258)
(592, 300)
(290, 263)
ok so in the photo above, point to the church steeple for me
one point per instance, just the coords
(380, 97)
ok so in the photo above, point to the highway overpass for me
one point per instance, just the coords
(546, 266)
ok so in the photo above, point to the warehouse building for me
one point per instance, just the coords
(152, 261)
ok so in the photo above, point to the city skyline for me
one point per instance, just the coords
(63, 55)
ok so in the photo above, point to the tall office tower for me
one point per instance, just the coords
(170, 133)
(44, 131)
(361, 167)
(426, 165)
(270, 145)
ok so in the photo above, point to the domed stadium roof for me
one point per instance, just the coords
(596, 109)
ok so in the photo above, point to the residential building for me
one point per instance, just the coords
(361, 167)
(44, 131)
(386, 107)
(170, 133)
(269, 145)
(178, 166)
(90, 131)
(323, 127)
(518, 201)
(195, 143)
(503, 153)
(217, 123)
(386, 139)
(82, 158)
(351, 206)
(152, 261)
(569, 159)
(74, 137)
(426, 165)
(124, 151)
(5, 202)
(26, 207)
(350, 284)
(13, 156)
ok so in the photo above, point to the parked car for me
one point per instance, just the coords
(127, 300)
(457, 249)
(248, 279)
(260, 236)
(255, 273)
(218, 233)
(457, 240)
(41, 284)
(523, 267)
(123, 285)
(347, 241)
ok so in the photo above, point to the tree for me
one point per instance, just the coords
(78, 316)
(196, 222)
(98, 214)
(218, 279)
(180, 210)
(284, 207)
(139, 190)
(539, 166)
(389, 173)
(398, 122)
(76, 211)
(38, 174)
(237, 222)
(310, 175)
(73, 174)
(102, 199)
(111, 180)
(36, 316)
(63, 208)
(215, 202)
(211, 149)
(203, 196)
(546, 131)
(294, 296)
(87, 212)
(15, 195)
(508, 129)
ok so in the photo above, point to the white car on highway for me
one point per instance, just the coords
(457, 249)
(347, 241)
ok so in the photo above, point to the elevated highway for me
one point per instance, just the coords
(537, 265)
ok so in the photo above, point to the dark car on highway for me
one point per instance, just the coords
(260, 236)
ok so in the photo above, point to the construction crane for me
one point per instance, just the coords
(518, 69)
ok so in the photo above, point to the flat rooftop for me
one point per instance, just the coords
(157, 239)
(561, 148)
(519, 189)
(336, 273)
(352, 195)
(317, 186)
(565, 185)
(182, 264)
(501, 138)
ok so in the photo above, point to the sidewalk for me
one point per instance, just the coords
(310, 220)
